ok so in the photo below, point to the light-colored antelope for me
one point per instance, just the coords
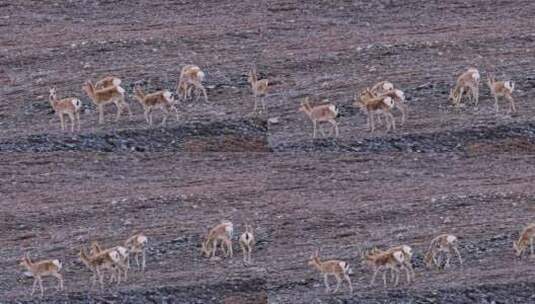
(407, 260)
(137, 245)
(371, 105)
(320, 113)
(386, 88)
(191, 76)
(247, 242)
(222, 232)
(102, 97)
(162, 100)
(121, 265)
(338, 269)
(98, 263)
(444, 243)
(392, 260)
(107, 81)
(502, 89)
(467, 82)
(259, 88)
(525, 239)
(66, 106)
(41, 269)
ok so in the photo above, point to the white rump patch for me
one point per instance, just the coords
(229, 229)
(200, 74)
(116, 81)
(387, 86)
(400, 94)
(509, 85)
(122, 251)
(398, 255)
(142, 239)
(120, 90)
(57, 263)
(333, 109)
(167, 95)
(114, 255)
(451, 238)
(407, 250)
(388, 101)
(76, 103)
(476, 75)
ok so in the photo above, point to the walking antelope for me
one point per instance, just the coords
(191, 76)
(137, 245)
(99, 262)
(407, 260)
(502, 89)
(444, 243)
(385, 260)
(467, 82)
(121, 264)
(320, 113)
(247, 242)
(222, 232)
(259, 88)
(66, 106)
(338, 269)
(371, 104)
(525, 239)
(41, 269)
(102, 97)
(162, 100)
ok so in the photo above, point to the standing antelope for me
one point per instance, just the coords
(407, 260)
(107, 81)
(121, 264)
(467, 82)
(247, 242)
(320, 113)
(99, 262)
(222, 232)
(162, 100)
(444, 243)
(41, 269)
(525, 238)
(66, 106)
(371, 104)
(137, 245)
(502, 89)
(386, 88)
(385, 260)
(102, 97)
(259, 88)
(191, 76)
(338, 269)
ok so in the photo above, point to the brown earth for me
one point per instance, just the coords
(464, 171)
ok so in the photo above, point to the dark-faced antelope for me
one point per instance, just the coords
(320, 113)
(338, 269)
(41, 269)
(502, 89)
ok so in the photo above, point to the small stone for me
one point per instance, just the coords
(273, 120)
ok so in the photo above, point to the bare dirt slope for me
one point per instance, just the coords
(464, 171)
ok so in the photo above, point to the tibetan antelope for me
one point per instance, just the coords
(392, 260)
(191, 76)
(259, 88)
(247, 242)
(320, 113)
(339, 269)
(525, 239)
(502, 89)
(371, 105)
(99, 262)
(121, 265)
(467, 82)
(407, 260)
(137, 245)
(444, 243)
(41, 269)
(107, 81)
(162, 100)
(222, 232)
(66, 106)
(386, 88)
(102, 97)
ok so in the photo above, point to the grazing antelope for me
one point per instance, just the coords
(338, 269)
(107, 81)
(222, 232)
(123, 259)
(525, 238)
(162, 100)
(502, 89)
(247, 242)
(102, 97)
(66, 106)
(137, 245)
(371, 104)
(385, 260)
(386, 88)
(320, 113)
(97, 263)
(467, 82)
(259, 88)
(191, 76)
(444, 243)
(41, 269)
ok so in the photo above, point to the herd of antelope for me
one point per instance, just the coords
(116, 259)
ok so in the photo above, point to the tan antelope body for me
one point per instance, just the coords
(467, 82)
(137, 246)
(247, 242)
(385, 260)
(502, 89)
(525, 239)
(444, 243)
(222, 232)
(338, 269)
(41, 269)
(120, 265)
(191, 76)
(386, 88)
(320, 113)
(104, 96)
(407, 260)
(162, 100)
(99, 262)
(372, 104)
(259, 88)
(66, 106)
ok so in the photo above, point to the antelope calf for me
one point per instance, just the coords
(99, 262)
(162, 100)
(66, 106)
(320, 113)
(102, 97)
(502, 89)
(121, 264)
(222, 232)
(247, 242)
(371, 104)
(467, 82)
(385, 260)
(191, 76)
(107, 81)
(137, 245)
(259, 88)
(41, 269)
(444, 243)
(338, 269)
(525, 238)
